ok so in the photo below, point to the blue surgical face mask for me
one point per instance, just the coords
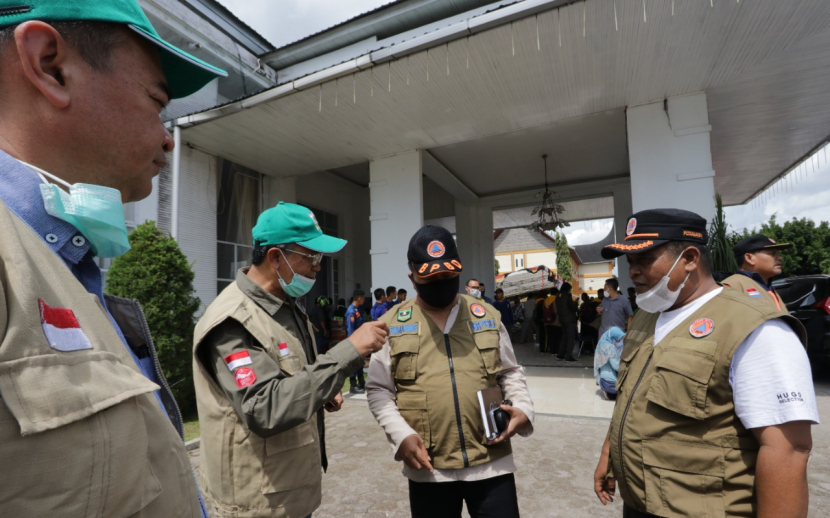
(299, 285)
(96, 211)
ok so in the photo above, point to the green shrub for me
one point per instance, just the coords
(157, 274)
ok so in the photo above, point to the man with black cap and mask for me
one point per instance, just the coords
(442, 349)
(715, 397)
(759, 260)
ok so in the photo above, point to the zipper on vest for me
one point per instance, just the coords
(625, 413)
(455, 400)
(179, 425)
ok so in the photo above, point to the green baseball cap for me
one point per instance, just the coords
(289, 223)
(185, 74)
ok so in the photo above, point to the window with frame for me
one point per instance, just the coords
(238, 206)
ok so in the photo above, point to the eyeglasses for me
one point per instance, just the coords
(315, 258)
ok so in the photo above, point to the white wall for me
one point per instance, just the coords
(350, 203)
(670, 156)
(541, 258)
(197, 219)
(594, 268)
(505, 263)
(396, 200)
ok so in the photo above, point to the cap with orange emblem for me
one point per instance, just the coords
(432, 251)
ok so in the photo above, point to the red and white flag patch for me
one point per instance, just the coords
(235, 360)
(62, 330)
(283, 349)
(244, 377)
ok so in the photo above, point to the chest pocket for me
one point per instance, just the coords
(487, 343)
(626, 358)
(68, 418)
(404, 356)
(682, 375)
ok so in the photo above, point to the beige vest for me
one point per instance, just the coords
(248, 476)
(749, 286)
(677, 447)
(81, 433)
(437, 379)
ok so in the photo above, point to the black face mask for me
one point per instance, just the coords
(439, 294)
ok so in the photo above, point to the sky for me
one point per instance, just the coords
(285, 21)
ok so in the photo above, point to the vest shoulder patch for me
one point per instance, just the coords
(477, 309)
(483, 325)
(702, 327)
(404, 314)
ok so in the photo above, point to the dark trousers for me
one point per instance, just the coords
(490, 498)
(356, 378)
(566, 344)
(630, 512)
(553, 335)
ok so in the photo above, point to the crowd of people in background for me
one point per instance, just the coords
(553, 319)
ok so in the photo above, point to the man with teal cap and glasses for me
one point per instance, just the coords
(87, 419)
(261, 387)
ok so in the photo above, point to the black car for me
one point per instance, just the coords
(808, 299)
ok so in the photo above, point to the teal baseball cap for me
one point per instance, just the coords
(185, 74)
(290, 223)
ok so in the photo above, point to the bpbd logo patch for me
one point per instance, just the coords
(477, 310)
(702, 327)
(482, 325)
(436, 249)
(631, 227)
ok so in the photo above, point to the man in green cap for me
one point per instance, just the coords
(260, 385)
(87, 419)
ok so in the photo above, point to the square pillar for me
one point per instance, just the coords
(670, 156)
(622, 210)
(396, 213)
(474, 239)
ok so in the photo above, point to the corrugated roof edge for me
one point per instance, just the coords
(591, 253)
(229, 14)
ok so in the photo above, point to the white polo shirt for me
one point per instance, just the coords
(770, 373)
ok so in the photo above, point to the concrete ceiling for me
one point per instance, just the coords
(593, 146)
(764, 64)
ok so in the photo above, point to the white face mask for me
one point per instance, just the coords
(660, 297)
(476, 294)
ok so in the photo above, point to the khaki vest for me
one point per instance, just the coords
(81, 433)
(677, 447)
(748, 285)
(248, 476)
(437, 379)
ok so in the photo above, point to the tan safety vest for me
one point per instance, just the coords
(677, 447)
(437, 378)
(81, 432)
(755, 290)
(248, 476)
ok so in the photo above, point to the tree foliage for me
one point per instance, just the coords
(563, 257)
(810, 253)
(721, 241)
(156, 273)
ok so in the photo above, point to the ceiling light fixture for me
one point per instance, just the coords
(548, 212)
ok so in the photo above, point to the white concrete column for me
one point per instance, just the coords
(622, 209)
(474, 239)
(670, 155)
(396, 203)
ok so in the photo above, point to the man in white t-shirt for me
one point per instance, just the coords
(716, 399)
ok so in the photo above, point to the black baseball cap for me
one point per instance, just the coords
(649, 229)
(432, 250)
(756, 243)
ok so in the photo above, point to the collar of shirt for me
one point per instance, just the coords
(20, 191)
(757, 278)
(265, 300)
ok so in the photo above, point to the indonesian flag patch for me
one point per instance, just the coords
(236, 360)
(62, 330)
(284, 349)
(244, 377)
